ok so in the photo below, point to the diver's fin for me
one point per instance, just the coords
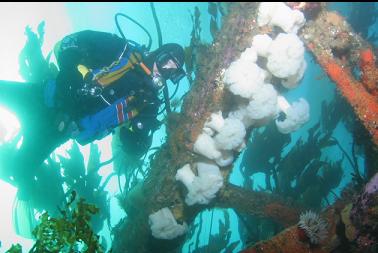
(24, 220)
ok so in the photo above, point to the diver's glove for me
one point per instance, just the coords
(140, 100)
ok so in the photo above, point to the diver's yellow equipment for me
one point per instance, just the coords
(117, 69)
(83, 70)
(107, 75)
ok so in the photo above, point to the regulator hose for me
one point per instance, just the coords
(135, 22)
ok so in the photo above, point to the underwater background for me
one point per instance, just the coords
(213, 229)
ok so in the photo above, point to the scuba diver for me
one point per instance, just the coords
(103, 82)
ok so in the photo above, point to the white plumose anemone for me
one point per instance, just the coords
(185, 175)
(164, 225)
(241, 113)
(281, 15)
(286, 56)
(205, 185)
(226, 159)
(216, 121)
(231, 135)
(292, 81)
(206, 146)
(250, 54)
(264, 104)
(244, 78)
(261, 43)
(296, 115)
(202, 188)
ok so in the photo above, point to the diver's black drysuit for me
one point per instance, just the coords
(96, 50)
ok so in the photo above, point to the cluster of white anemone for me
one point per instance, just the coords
(164, 225)
(203, 187)
(219, 138)
(284, 60)
(260, 102)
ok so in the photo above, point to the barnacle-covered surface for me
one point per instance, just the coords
(260, 204)
(351, 226)
(338, 49)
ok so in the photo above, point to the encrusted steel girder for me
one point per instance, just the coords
(160, 189)
(338, 50)
(334, 45)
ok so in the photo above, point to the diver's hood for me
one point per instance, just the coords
(175, 53)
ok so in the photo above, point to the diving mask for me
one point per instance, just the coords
(169, 67)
